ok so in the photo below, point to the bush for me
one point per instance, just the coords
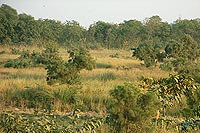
(130, 110)
(116, 55)
(166, 66)
(48, 123)
(24, 61)
(19, 63)
(15, 51)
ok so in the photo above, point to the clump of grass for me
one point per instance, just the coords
(37, 98)
(108, 76)
(66, 96)
(102, 65)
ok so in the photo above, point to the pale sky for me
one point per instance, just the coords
(87, 12)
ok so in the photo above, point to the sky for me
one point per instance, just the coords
(87, 12)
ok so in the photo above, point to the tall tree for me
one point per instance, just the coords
(8, 19)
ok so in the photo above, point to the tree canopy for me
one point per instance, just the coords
(24, 29)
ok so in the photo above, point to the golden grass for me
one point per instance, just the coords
(20, 78)
(102, 53)
(8, 56)
(92, 85)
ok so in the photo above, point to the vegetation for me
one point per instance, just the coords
(131, 110)
(24, 29)
(44, 122)
(42, 62)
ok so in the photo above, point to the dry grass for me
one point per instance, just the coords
(92, 86)
(20, 78)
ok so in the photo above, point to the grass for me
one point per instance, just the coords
(96, 84)
(20, 78)
(95, 79)
(92, 95)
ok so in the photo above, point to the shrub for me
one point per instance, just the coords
(116, 55)
(48, 123)
(24, 61)
(19, 63)
(15, 51)
(130, 110)
(166, 66)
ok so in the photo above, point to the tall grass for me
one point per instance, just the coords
(96, 84)
(107, 76)
(20, 78)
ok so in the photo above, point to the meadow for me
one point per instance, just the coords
(25, 89)
(110, 71)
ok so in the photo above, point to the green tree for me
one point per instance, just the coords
(182, 27)
(129, 33)
(102, 33)
(183, 54)
(150, 52)
(27, 29)
(130, 109)
(8, 20)
(156, 29)
(72, 33)
(66, 72)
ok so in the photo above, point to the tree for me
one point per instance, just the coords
(129, 32)
(103, 33)
(72, 33)
(130, 109)
(156, 29)
(150, 52)
(8, 20)
(27, 29)
(182, 27)
(66, 72)
(183, 54)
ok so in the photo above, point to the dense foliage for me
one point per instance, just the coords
(173, 91)
(22, 28)
(180, 55)
(131, 110)
(60, 71)
(44, 122)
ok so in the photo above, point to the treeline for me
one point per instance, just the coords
(24, 29)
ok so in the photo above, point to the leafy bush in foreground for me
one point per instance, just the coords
(42, 123)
